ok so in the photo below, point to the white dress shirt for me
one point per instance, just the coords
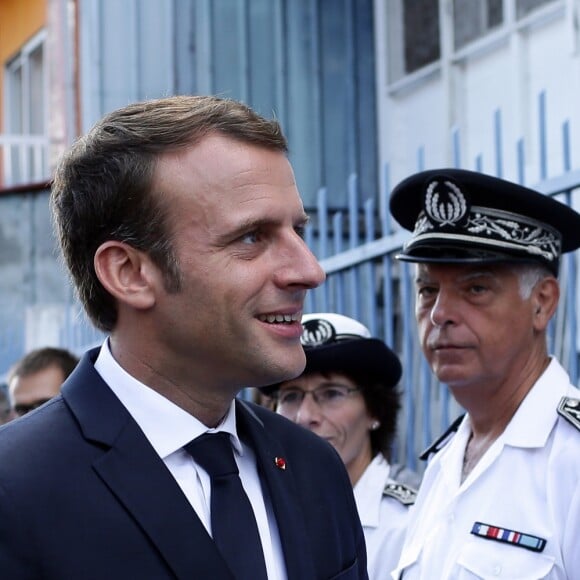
(528, 481)
(383, 519)
(168, 428)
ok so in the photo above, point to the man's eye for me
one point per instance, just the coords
(250, 238)
(300, 230)
(426, 291)
(477, 289)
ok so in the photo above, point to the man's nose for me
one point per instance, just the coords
(301, 268)
(443, 311)
(309, 410)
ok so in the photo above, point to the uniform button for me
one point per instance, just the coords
(497, 570)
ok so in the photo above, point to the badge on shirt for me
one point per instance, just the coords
(401, 492)
(527, 541)
(569, 408)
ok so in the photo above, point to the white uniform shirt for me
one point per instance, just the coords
(383, 519)
(528, 482)
(154, 413)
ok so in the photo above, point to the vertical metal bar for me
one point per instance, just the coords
(371, 290)
(388, 295)
(520, 153)
(456, 147)
(426, 402)
(445, 399)
(354, 242)
(309, 239)
(566, 152)
(407, 382)
(385, 216)
(324, 236)
(322, 210)
(572, 279)
(337, 221)
(542, 136)
(421, 158)
(497, 131)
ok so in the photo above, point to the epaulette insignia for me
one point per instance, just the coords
(401, 492)
(569, 408)
(440, 441)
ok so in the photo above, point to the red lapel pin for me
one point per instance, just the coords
(280, 463)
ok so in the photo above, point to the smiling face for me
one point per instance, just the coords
(236, 220)
(346, 426)
(475, 327)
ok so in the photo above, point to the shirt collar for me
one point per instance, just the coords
(368, 491)
(153, 412)
(533, 421)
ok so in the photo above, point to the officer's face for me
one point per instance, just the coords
(331, 406)
(475, 327)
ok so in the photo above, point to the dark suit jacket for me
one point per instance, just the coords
(83, 496)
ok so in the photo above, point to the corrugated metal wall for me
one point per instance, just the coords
(309, 63)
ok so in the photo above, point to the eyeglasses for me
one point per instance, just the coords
(329, 396)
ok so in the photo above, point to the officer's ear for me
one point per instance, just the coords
(544, 299)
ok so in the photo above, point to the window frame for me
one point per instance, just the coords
(488, 41)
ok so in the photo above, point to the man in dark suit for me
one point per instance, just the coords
(181, 224)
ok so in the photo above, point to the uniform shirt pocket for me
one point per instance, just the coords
(492, 560)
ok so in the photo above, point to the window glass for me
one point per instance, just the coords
(421, 36)
(25, 158)
(524, 7)
(474, 18)
(37, 97)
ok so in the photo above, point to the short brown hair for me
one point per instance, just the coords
(102, 186)
(42, 358)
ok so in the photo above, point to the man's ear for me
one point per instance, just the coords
(126, 273)
(545, 298)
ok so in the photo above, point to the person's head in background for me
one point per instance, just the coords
(37, 377)
(5, 414)
(347, 393)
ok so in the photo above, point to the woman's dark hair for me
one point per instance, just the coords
(382, 402)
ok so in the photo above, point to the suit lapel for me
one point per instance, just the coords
(281, 486)
(139, 480)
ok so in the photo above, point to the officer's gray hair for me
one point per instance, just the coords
(529, 275)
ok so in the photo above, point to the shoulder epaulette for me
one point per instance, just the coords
(440, 441)
(401, 492)
(569, 408)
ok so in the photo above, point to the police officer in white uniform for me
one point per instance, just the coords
(347, 395)
(500, 497)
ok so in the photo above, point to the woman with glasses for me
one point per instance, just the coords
(347, 395)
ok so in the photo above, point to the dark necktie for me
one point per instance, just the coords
(233, 524)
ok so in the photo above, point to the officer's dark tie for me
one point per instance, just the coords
(233, 524)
